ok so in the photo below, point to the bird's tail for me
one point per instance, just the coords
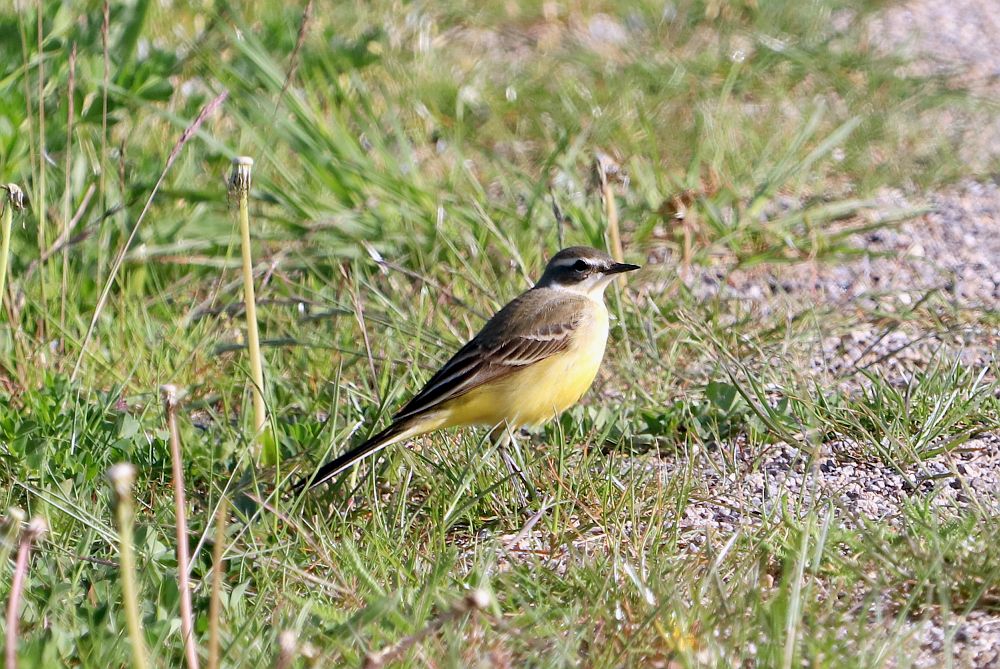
(390, 435)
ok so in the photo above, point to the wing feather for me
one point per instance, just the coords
(528, 330)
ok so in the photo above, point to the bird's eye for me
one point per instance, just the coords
(580, 265)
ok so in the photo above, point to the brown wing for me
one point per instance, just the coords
(528, 330)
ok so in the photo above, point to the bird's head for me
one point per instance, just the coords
(583, 270)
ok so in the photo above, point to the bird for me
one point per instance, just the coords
(533, 359)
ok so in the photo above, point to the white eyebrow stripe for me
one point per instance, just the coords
(569, 262)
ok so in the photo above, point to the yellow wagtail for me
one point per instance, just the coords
(534, 359)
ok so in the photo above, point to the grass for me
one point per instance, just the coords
(409, 178)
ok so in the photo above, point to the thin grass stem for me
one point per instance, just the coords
(40, 195)
(170, 402)
(106, 70)
(215, 603)
(793, 618)
(67, 189)
(34, 531)
(122, 478)
(607, 171)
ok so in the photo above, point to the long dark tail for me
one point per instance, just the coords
(389, 435)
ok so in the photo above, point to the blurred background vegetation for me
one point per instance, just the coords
(439, 136)
(416, 162)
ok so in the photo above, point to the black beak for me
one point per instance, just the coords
(619, 267)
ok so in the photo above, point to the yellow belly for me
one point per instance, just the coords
(537, 393)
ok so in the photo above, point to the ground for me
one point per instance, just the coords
(791, 455)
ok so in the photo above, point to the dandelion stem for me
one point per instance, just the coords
(122, 477)
(215, 603)
(13, 200)
(239, 186)
(170, 401)
(34, 530)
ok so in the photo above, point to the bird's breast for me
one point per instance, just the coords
(543, 390)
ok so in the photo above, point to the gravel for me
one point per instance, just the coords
(727, 498)
(954, 249)
(956, 40)
(947, 260)
(952, 255)
(952, 252)
(743, 493)
(973, 640)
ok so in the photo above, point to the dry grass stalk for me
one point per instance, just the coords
(170, 401)
(607, 172)
(239, 188)
(293, 61)
(215, 603)
(35, 529)
(122, 478)
(67, 189)
(106, 69)
(41, 193)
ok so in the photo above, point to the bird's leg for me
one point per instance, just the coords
(502, 436)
